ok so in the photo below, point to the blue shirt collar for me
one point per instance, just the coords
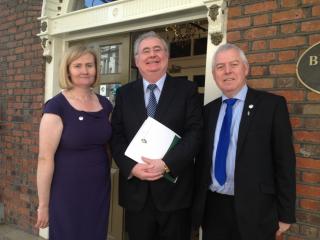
(241, 95)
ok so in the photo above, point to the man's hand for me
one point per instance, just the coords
(158, 165)
(283, 227)
(145, 172)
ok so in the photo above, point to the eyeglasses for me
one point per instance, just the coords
(155, 50)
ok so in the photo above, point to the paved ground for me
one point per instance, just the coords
(10, 233)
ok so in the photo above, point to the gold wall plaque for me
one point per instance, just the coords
(308, 68)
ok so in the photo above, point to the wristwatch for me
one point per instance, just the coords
(166, 169)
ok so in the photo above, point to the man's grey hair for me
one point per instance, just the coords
(144, 36)
(226, 47)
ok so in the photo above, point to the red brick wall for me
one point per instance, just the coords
(21, 97)
(274, 34)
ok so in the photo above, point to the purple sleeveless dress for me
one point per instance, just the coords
(80, 189)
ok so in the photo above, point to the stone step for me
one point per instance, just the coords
(8, 232)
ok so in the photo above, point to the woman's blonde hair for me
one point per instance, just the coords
(71, 55)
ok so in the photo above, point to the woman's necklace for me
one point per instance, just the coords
(84, 99)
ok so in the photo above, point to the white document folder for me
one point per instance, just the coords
(153, 140)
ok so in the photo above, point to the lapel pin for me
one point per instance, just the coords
(80, 118)
(250, 107)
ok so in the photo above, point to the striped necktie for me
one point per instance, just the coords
(152, 104)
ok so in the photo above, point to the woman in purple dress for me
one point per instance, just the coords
(73, 175)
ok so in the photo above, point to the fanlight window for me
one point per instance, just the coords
(89, 3)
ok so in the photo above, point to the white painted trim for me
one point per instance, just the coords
(44, 232)
(123, 11)
(211, 90)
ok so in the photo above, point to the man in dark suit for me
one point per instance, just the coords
(155, 208)
(245, 174)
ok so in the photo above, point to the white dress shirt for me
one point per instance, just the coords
(157, 90)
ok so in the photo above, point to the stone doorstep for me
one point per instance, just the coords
(10, 233)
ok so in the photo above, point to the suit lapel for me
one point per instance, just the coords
(169, 90)
(249, 110)
(213, 114)
(137, 100)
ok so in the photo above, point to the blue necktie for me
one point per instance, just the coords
(152, 105)
(223, 144)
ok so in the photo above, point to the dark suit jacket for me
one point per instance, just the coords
(265, 165)
(179, 109)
